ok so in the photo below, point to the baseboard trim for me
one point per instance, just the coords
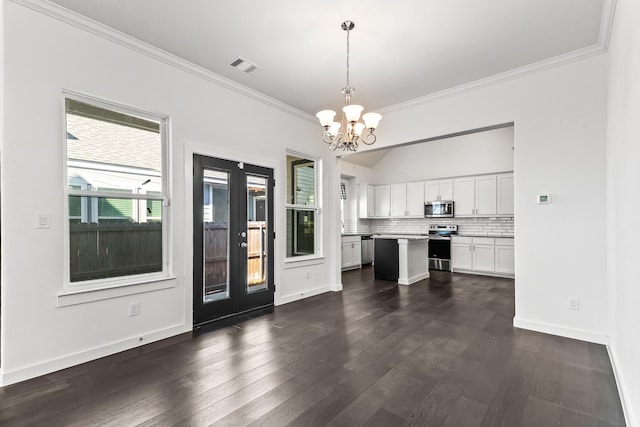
(302, 295)
(414, 279)
(337, 287)
(548, 328)
(36, 370)
(627, 407)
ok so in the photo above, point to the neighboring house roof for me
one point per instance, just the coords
(112, 143)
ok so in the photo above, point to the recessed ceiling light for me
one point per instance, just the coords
(244, 65)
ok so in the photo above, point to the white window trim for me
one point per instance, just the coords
(92, 287)
(316, 207)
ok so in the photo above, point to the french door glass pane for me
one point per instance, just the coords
(215, 218)
(256, 233)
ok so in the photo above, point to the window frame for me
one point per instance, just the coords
(69, 287)
(316, 208)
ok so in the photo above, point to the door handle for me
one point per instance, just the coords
(243, 245)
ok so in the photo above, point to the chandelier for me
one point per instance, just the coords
(353, 130)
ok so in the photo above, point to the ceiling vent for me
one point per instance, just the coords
(244, 65)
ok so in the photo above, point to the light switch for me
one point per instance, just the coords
(43, 220)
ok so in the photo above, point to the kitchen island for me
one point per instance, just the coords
(402, 258)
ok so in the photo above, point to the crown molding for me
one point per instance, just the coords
(495, 79)
(86, 24)
(606, 24)
(96, 28)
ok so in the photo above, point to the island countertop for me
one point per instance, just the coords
(401, 236)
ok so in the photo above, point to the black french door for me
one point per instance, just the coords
(232, 238)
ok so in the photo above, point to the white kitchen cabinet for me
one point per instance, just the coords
(415, 199)
(484, 255)
(407, 200)
(441, 189)
(504, 254)
(382, 201)
(351, 252)
(505, 194)
(464, 194)
(461, 255)
(398, 200)
(366, 195)
(473, 253)
(476, 196)
(486, 195)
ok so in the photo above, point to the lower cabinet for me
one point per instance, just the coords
(484, 255)
(461, 255)
(505, 260)
(351, 252)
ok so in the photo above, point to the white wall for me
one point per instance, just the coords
(472, 154)
(623, 202)
(559, 116)
(356, 176)
(42, 56)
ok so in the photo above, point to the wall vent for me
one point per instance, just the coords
(244, 65)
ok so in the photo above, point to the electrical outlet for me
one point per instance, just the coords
(134, 309)
(308, 274)
(573, 303)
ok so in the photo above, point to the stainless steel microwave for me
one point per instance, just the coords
(438, 209)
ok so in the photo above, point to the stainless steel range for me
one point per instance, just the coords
(440, 246)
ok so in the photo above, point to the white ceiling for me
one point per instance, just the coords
(399, 50)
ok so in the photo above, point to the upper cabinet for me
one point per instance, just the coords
(483, 195)
(505, 194)
(486, 196)
(464, 196)
(366, 195)
(415, 199)
(382, 201)
(407, 200)
(441, 189)
(398, 200)
(474, 196)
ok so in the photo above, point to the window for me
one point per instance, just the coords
(116, 191)
(302, 209)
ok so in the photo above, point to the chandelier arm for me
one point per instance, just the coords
(334, 142)
(369, 139)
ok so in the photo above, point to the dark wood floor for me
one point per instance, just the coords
(441, 352)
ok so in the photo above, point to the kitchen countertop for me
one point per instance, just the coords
(505, 236)
(401, 236)
(356, 234)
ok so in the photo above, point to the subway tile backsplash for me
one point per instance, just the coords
(491, 227)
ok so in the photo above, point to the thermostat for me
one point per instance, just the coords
(544, 198)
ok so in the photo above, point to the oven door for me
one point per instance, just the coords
(440, 254)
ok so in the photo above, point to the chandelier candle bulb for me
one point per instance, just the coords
(352, 134)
